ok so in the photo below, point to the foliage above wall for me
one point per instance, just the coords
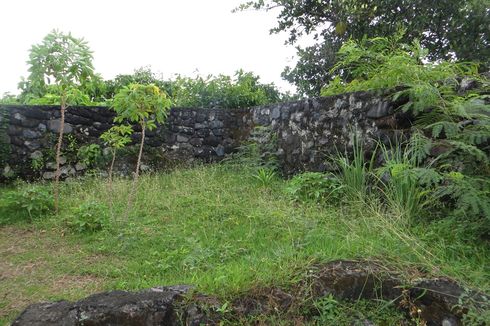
(240, 91)
(244, 89)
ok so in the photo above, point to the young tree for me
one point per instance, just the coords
(116, 138)
(65, 61)
(145, 105)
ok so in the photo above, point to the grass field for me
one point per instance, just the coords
(213, 227)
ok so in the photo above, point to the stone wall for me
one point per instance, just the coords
(29, 138)
(307, 132)
(311, 130)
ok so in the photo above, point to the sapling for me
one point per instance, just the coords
(145, 105)
(116, 138)
(64, 61)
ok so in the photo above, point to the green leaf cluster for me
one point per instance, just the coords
(89, 155)
(60, 59)
(142, 104)
(315, 187)
(117, 136)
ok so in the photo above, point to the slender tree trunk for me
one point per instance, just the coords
(136, 174)
(58, 154)
(138, 163)
(111, 192)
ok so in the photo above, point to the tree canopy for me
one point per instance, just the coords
(61, 61)
(450, 30)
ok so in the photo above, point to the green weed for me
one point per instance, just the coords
(90, 216)
(27, 201)
(315, 187)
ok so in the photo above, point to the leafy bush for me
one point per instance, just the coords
(315, 187)
(89, 155)
(28, 201)
(384, 62)
(89, 217)
(244, 89)
(142, 75)
(241, 91)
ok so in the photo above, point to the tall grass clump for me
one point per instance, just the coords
(355, 170)
(400, 184)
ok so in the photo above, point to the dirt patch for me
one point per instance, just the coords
(34, 265)
(77, 283)
(71, 286)
(10, 271)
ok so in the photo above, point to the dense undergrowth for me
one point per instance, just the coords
(216, 227)
(444, 167)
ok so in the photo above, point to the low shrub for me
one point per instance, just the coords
(90, 216)
(26, 202)
(90, 155)
(315, 187)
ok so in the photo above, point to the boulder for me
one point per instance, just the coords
(436, 301)
(443, 301)
(156, 306)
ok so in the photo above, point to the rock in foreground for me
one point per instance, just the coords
(151, 307)
(436, 301)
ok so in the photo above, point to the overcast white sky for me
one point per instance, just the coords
(172, 36)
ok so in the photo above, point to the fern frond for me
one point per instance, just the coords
(450, 129)
(419, 147)
(426, 176)
(475, 134)
(469, 149)
(469, 106)
(471, 195)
